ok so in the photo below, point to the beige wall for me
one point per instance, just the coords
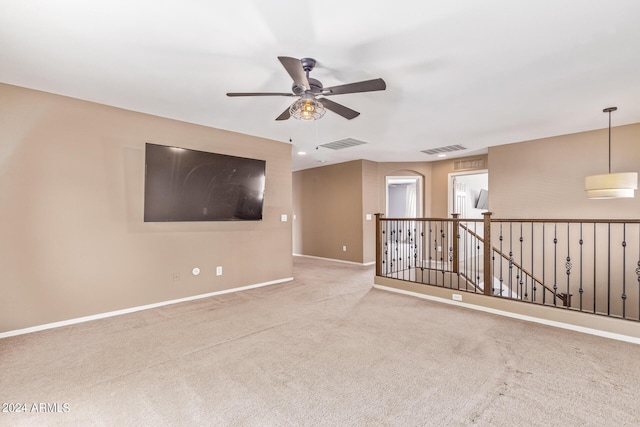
(545, 178)
(297, 217)
(370, 203)
(328, 209)
(327, 198)
(331, 204)
(73, 241)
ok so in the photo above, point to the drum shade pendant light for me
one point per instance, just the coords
(611, 185)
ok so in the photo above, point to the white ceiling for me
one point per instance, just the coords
(469, 72)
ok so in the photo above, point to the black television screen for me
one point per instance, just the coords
(189, 185)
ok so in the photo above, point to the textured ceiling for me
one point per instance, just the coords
(468, 72)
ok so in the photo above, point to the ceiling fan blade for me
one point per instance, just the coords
(295, 70)
(340, 109)
(365, 86)
(260, 94)
(285, 115)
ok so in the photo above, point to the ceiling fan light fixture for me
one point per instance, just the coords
(307, 108)
(611, 185)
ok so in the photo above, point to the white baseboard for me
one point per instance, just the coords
(134, 309)
(553, 323)
(336, 260)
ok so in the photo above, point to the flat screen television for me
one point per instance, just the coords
(483, 200)
(190, 185)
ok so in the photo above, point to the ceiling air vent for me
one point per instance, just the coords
(342, 144)
(447, 149)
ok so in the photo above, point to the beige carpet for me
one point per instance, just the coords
(323, 350)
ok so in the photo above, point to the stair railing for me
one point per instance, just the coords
(591, 266)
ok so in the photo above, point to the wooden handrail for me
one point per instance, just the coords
(570, 221)
(563, 297)
(518, 220)
(427, 219)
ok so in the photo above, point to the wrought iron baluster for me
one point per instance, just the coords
(501, 260)
(533, 280)
(442, 246)
(555, 263)
(595, 265)
(581, 290)
(521, 267)
(392, 259)
(510, 260)
(415, 249)
(478, 255)
(430, 249)
(609, 269)
(638, 271)
(462, 255)
(385, 248)
(568, 266)
(421, 252)
(403, 247)
(544, 263)
(624, 271)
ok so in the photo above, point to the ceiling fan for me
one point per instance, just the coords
(311, 94)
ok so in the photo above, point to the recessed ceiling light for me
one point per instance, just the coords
(442, 155)
(301, 153)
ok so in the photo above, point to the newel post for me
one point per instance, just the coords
(488, 274)
(456, 238)
(378, 244)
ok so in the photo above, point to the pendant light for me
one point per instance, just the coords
(611, 185)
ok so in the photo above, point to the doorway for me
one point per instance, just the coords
(469, 193)
(404, 196)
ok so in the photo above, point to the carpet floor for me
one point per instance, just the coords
(323, 350)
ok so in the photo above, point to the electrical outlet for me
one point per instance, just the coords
(219, 271)
(439, 248)
(344, 248)
(369, 217)
(176, 276)
(456, 297)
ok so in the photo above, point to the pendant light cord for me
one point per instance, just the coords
(609, 141)
(609, 110)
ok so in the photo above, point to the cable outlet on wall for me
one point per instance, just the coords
(219, 270)
(176, 276)
(344, 248)
(456, 297)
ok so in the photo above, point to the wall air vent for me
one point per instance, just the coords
(342, 144)
(467, 164)
(446, 149)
